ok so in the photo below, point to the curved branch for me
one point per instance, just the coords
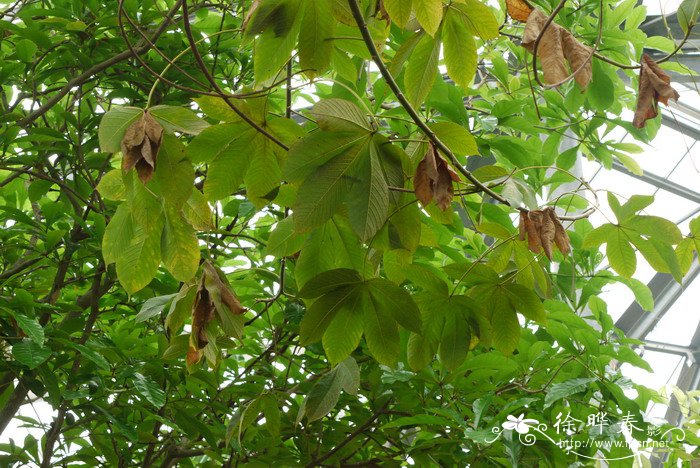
(369, 43)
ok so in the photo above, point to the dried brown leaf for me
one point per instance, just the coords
(518, 9)
(547, 231)
(433, 180)
(522, 226)
(220, 286)
(202, 313)
(654, 87)
(533, 225)
(140, 146)
(557, 47)
(561, 238)
(193, 355)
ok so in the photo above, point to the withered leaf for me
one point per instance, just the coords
(556, 47)
(140, 146)
(518, 9)
(219, 286)
(194, 355)
(202, 313)
(654, 87)
(433, 180)
(543, 229)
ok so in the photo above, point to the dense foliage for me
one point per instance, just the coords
(213, 250)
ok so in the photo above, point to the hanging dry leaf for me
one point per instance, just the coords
(433, 180)
(140, 146)
(194, 355)
(202, 313)
(518, 9)
(542, 229)
(556, 47)
(560, 236)
(654, 87)
(219, 286)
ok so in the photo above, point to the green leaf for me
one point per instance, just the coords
(321, 195)
(320, 314)
(525, 301)
(381, 332)
(399, 11)
(174, 174)
(329, 281)
(178, 119)
(317, 149)
(113, 126)
(284, 241)
(325, 393)
(25, 50)
(344, 333)
(655, 227)
(422, 70)
(397, 302)
(620, 254)
(230, 164)
(562, 390)
(478, 18)
(687, 13)
(429, 14)
(456, 137)
(30, 326)
(222, 140)
(111, 186)
(315, 37)
(506, 328)
(153, 307)
(30, 353)
(197, 212)
(339, 115)
(599, 235)
(179, 247)
(460, 52)
(150, 390)
(118, 234)
(264, 175)
(368, 202)
(456, 336)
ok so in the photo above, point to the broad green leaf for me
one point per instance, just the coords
(150, 390)
(320, 314)
(526, 302)
(599, 235)
(317, 149)
(321, 195)
(339, 115)
(381, 332)
(229, 166)
(565, 389)
(620, 253)
(174, 174)
(459, 51)
(178, 119)
(456, 137)
(30, 326)
(422, 70)
(687, 13)
(263, 177)
(30, 353)
(655, 227)
(397, 302)
(111, 186)
(325, 393)
(113, 126)
(179, 246)
(344, 333)
(660, 256)
(315, 37)
(180, 308)
(222, 140)
(478, 18)
(118, 234)
(429, 14)
(456, 336)
(399, 11)
(368, 202)
(329, 281)
(197, 212)
(504, 321)
(284, 241)
(153, 307)
(273, 48)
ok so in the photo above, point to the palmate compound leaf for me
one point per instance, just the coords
(349, 306)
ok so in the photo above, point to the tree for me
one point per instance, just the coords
(198, 269)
